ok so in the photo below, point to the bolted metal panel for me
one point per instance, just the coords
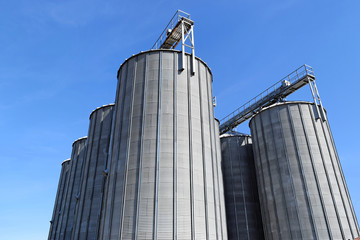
(70, 202)
(302, 189)
(243, 213)
(161, 182)
(64, 178)
(219, 185)
(87, 216)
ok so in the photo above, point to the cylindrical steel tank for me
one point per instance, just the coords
(64, 178)
(67, 215)
(302, 188)
(220, 181)
(87, 216)
(243, 213)
(164, 175)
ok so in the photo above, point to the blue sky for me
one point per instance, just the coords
(59, 59)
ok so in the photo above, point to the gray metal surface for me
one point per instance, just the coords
(243, 213)
(302, 189)
(64, 178)
(87, 215)
(164, 175)
(69, 203)
(219, 184)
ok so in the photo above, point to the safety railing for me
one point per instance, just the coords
(291, 78)
(174, 20)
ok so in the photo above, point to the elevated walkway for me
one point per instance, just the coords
(180, 29)
(297, 79)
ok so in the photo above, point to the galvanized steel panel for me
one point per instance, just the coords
(70, 202)
(242, 204)
(219, 184)
(164, 168)
(59, 200)
(88, 212)
(302, 189)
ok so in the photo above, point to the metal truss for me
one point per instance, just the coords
(297, 79)
(179, 29)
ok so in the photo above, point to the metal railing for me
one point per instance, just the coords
(266, 95)
(174, 20)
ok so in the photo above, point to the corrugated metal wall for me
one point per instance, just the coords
(219, 183)
(87, 216)
(164, 179)
(60, 195)
(302, 189)
(67, 215)
(243, 213)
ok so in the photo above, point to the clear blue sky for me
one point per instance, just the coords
(59, 59)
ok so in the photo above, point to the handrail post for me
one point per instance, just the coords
(274, 92)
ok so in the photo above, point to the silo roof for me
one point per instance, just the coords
(281, 103)
(163, 50)
(234, 134)
(79, 139)
(67, 160)
(103, 106)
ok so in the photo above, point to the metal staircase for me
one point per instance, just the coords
(297, 79)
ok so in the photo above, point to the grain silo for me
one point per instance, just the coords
(60, 195)
(87, 216)
(302, 189)
(219, 174)
(66, 219)
(164, 181)
(241, 196)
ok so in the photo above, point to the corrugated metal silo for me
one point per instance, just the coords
(241, 194)
(64, 178)
(87, 217)
(302, 189)
(66, 219)
(220, 182)
(163, 179)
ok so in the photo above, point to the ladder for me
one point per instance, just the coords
(297, 79)
(179, 29)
